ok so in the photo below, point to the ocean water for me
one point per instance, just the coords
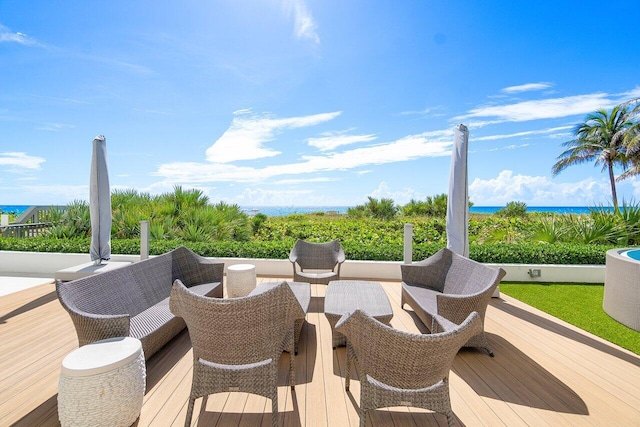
(550, 209)
(288, 210)
(13, 209)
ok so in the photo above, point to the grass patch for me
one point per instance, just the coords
(578, 304)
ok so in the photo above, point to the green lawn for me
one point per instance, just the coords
(578, 304)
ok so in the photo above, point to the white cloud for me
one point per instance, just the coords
(399, 197)
(537, 191)
(553, 130)
(6, 36)
(46, 194)
(287, 197)
(477, 124)
(331, 142)
(635, 185)
(507, 147)
(304, 25)
(633, 93)
(527, 87)
(437, 111)
(428, 144)
(408, 148)
(54, 127)
(17, 162)
(304, 180)
(550, 108)
(245, 137)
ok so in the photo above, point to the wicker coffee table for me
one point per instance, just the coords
(344, 296)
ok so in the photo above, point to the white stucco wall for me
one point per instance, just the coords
(46, 264)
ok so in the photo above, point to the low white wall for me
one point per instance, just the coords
(46, 264)
(553, 273)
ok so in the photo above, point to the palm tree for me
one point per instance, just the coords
(599, 138)
(632, 141)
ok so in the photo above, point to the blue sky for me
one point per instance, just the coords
(309, 102)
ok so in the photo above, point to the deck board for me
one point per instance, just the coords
(546, 372)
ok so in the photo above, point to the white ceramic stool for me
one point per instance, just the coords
(241, 279)
(102, 384)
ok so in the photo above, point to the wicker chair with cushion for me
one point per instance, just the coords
(398, 368)
(451, 286)
(319, 263)
(237, 341)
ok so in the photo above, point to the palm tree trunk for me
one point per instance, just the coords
(614, 194)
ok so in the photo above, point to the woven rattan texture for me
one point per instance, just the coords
(450, 286)
(133, 300)
(321, 261)
(237, 341)
(397, 368)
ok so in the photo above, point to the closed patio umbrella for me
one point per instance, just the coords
(100, 203)
(458, 199)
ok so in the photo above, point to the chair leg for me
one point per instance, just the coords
(292, 371)
(450, 419)
(347, 375)
(187, 421)
(485, 344)
(274, 409)
(363, 416)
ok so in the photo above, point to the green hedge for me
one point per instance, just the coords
(500, 253)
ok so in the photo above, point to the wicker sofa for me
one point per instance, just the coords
(451, 286)
(134, 300)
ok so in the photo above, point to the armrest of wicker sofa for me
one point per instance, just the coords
(95, 327)
(456, 308)
(92, 327)
(193, 269)
(210, 272)
(423, 274)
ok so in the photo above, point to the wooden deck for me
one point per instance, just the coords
(545, 372)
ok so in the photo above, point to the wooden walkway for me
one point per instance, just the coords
(545, 372)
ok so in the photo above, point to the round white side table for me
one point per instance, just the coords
(102, 384)
(241, 279)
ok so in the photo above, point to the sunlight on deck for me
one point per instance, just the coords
(545, 372)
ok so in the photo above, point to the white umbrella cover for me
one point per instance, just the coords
(458, 199)
(100, 203)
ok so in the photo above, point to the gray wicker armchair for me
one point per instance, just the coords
(319, 263)
(397, 368)
(237, 341)
(451, 286)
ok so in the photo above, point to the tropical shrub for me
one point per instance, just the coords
(374, 208)
(433, 206)
(517, 209)
(256, 222)
(187, 217)
(185, 214)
